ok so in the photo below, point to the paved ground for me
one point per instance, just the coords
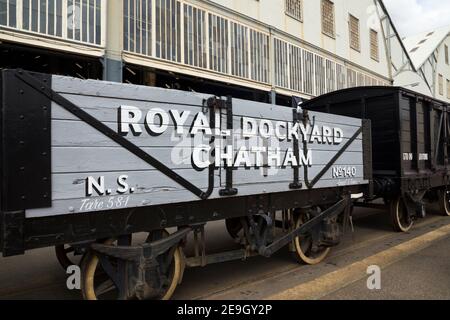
(424, 275)
(421, 273)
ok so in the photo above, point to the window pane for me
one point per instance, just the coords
(295, 62)
(77, 20)
(26, 15)
(98, 22)
(328, 17)
(91, 21)
(168, 32)
(12, 13)
(239, 50)
(138, 26)
(259, 48)
(70, 19)
(43, 16)
(58, 18)
(218, 43)
(354, 33)
(84, 12)
(34, 15)
(294, 9)
(3, 13)
(374, 53)
(281, 58)
(51, 17)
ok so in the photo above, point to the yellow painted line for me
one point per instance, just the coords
(331, 282)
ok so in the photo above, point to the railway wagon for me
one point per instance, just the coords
(122, 174)
(410, 146)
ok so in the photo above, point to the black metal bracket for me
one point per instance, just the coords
(46, 91)
(229, 190)
(336, 157)
(297, 117)
(25, 145)
(138, 270)
(12, 241)
(268, 251)
(148, 250)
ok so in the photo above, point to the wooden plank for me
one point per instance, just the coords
(71, 206)
(64, 131)
(73, 185)
(79, 151)
(119, 90)
(96, 159)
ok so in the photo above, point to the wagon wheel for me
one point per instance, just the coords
(97, 285)
(400, 219)
(303, 246)
(65, 255)
(444, 202)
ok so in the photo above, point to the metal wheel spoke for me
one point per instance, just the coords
(110, 270)
(105, 287)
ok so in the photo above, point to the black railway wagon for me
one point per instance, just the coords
(410, 134)
(88, 166)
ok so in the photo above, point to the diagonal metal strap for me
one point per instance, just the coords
(311, 184)
(96, 124)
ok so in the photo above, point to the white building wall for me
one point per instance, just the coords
(442, 68)
(430, 71)
(272, 12)
(156, 42)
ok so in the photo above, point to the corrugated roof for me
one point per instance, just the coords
(420, 47)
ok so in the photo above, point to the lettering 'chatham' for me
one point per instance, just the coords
(132, 120)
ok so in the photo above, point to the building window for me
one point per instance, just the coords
(448, 89)
(239, 50)
(308, 72)
(83, 19)
(194, 36)
(281, 64)
(328, 18)
(218, 43)
(168, 42)
(441, 85)
(8, 13)
(351, 78)
(374, 49)
(331, 76)
(446, 55)
(341, 82)
(354, 33)
(294, 9)
(320, 75)
(360, 80)
(138, 26)
(259, 52)
(296, 68)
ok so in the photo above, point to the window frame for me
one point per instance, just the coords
(377, 57)
(290, 14)
(441, 84)
(448, 89)
(322, 4)
(446, 53)
(351, 33)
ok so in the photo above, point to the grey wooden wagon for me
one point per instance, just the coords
(72, 178)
